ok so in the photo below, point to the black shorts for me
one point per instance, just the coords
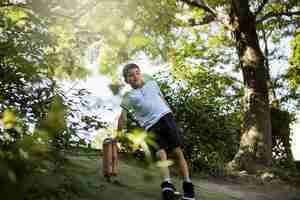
(166, 133)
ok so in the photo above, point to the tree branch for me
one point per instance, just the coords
(21, 5)
(261, 6)
(206, 20)
(196, 4)
(212, 15)
(272, 14)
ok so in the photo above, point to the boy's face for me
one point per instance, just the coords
(134, 78)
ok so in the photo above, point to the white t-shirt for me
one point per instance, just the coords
(146, 103)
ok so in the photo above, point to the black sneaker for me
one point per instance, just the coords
(107, 178)
(188, 191)
(167, 190)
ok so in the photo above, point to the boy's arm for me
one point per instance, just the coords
(165, 101)
(121, 121)
(121, 124)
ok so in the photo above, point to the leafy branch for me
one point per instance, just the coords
(277, 15)
(260, 7)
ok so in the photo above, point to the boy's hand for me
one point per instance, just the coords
(118, 135)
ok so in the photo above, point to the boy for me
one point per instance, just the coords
(155, 116)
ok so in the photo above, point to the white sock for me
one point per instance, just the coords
(168, 179)
(187, 179)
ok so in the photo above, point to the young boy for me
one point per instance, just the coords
(155, 116)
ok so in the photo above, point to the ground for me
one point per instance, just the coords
(81, 179)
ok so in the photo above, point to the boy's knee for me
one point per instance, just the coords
(179, 152)
(178, 149)
(161, 154)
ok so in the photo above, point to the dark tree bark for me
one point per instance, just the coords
(255, 149)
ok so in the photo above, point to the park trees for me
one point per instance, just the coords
(210, 34)
(240, 22)
(36, 114)
(35, 54)
(214, 33)
(187, 34)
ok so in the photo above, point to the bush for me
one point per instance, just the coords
(210, 119)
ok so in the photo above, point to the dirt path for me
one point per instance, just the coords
(249, 192)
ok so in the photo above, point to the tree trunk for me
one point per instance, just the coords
(255, 149)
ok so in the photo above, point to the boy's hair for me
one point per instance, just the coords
(127, 68)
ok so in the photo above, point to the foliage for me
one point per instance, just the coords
(190, 33)
(208, 116)
(40, 40)
(37, 115)
(281, 121)
(294, 68)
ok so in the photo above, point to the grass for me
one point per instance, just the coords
(80, 178)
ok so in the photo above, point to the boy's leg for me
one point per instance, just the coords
(164, 170)
(107, 159)
(115, 164)
(188, 187)
(184, 170)
(167, 188)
